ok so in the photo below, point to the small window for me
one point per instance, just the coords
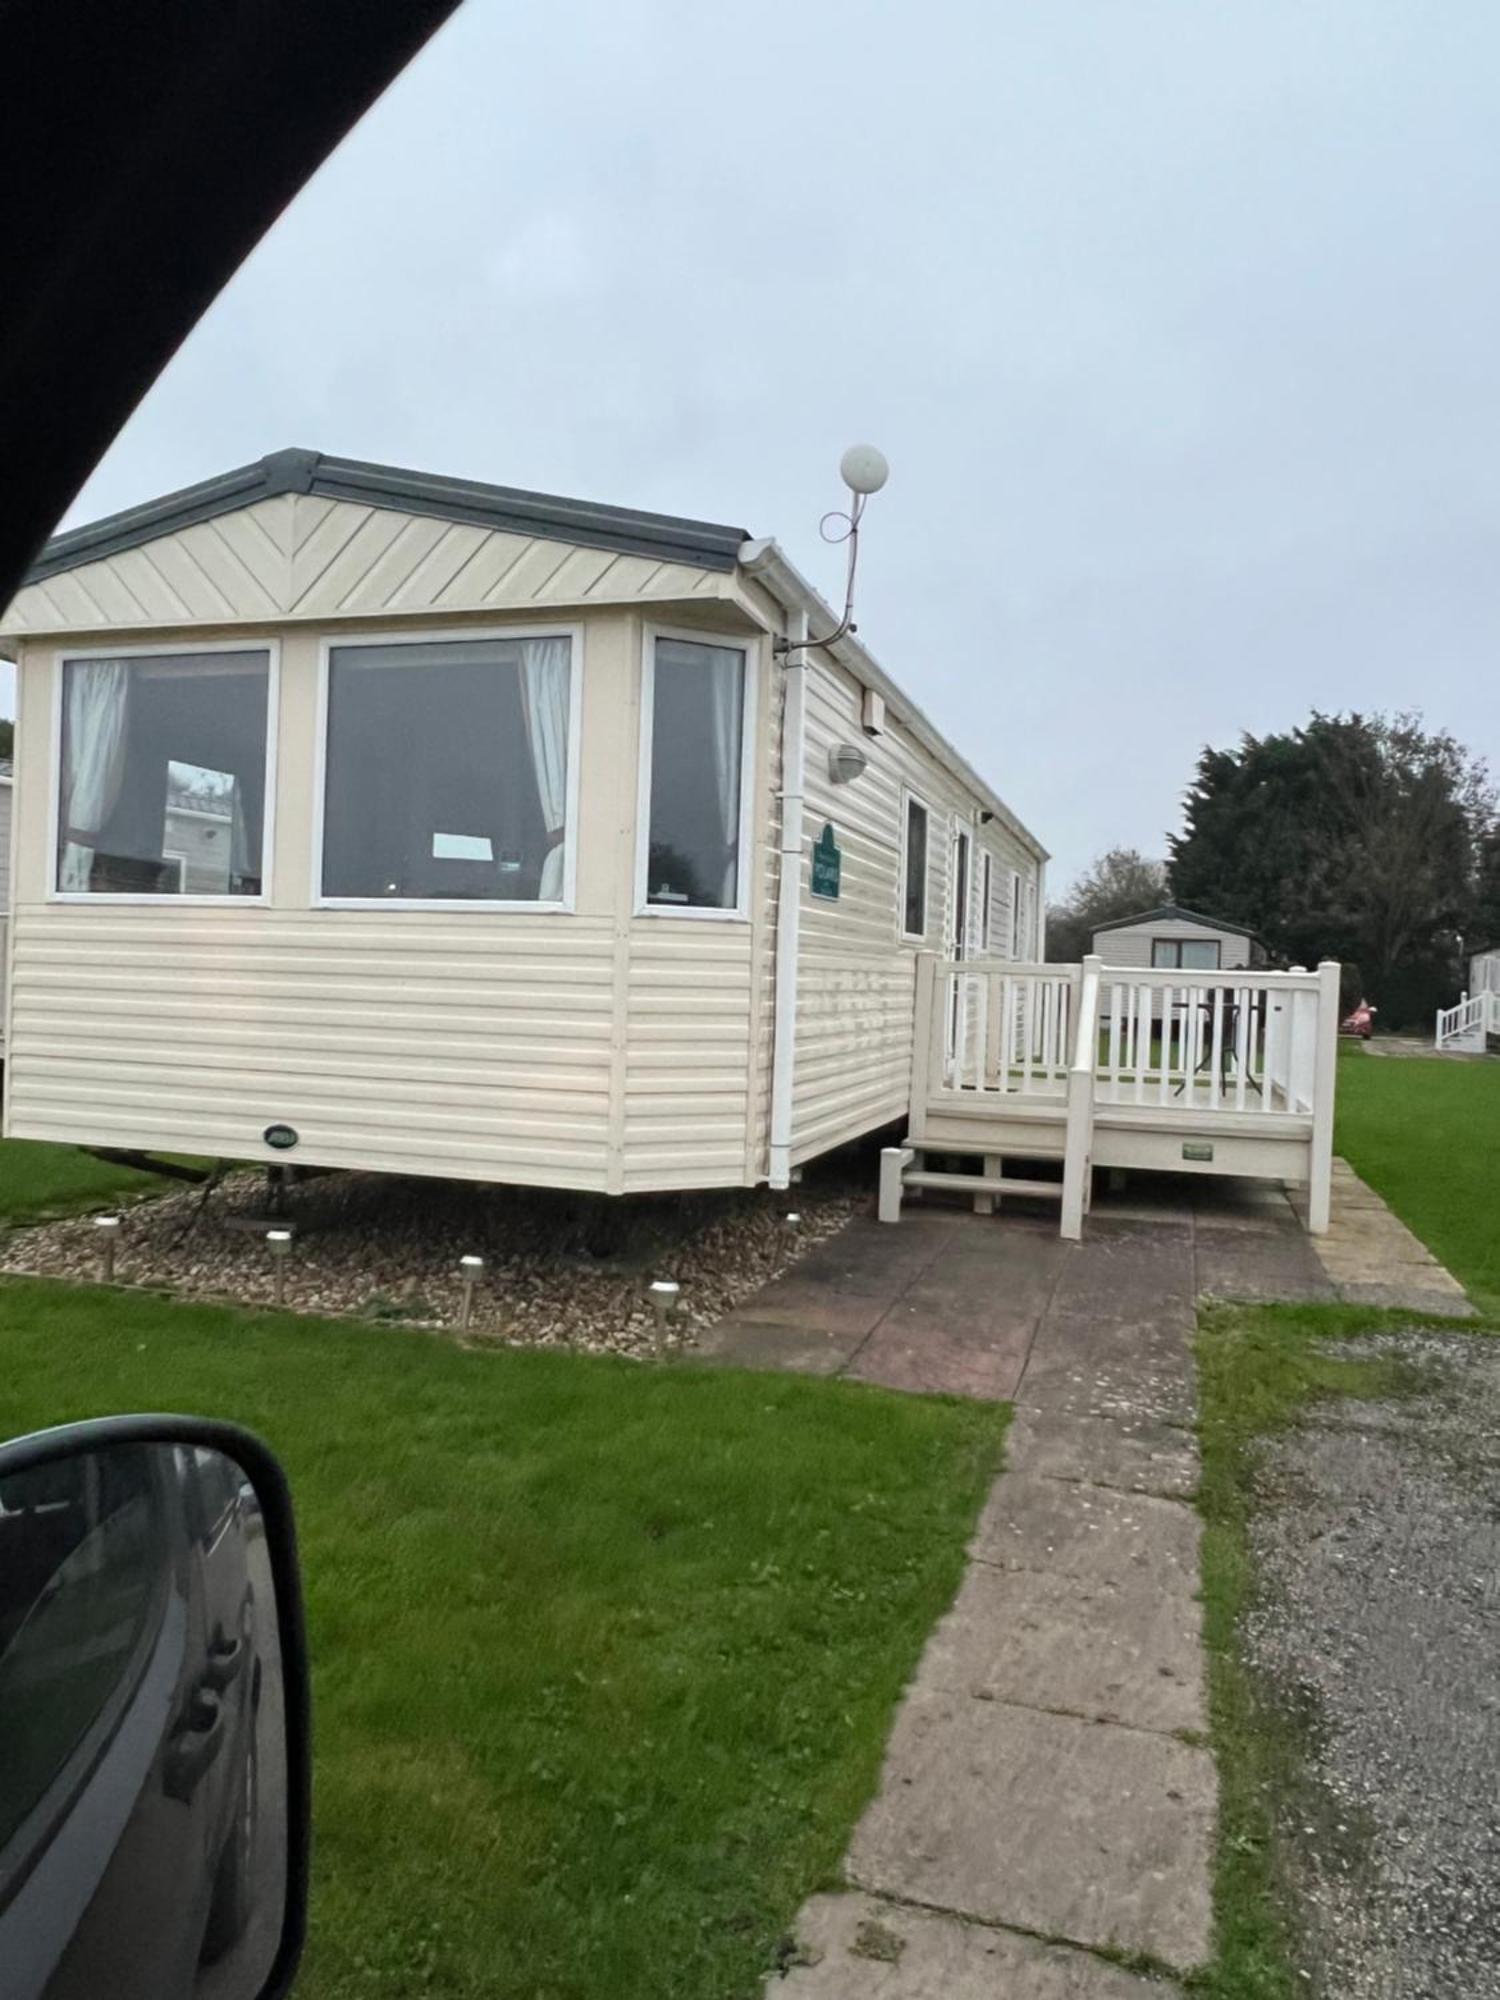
(986, 891)
(163, 780)
(695, 720)
(448, 767)
(1017, 915)
(1185, 954)
(914, 871)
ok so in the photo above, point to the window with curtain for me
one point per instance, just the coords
(914, 907)
(697, 735)
(1185, 954)
(447, 771)
(163, 779)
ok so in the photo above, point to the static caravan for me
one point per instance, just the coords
(1171, 939)
(377, 820)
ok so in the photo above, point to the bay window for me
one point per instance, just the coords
(162, 785)
(448, 771)
(693, 751)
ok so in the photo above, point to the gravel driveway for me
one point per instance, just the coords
(1378, 1627)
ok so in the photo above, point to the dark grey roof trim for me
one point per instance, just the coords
(1174, 913)
(664, 537)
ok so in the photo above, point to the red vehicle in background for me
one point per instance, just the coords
(1360, 1022)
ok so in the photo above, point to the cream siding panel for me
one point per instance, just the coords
(1131, 946)
(408, 1041)
(856, 977)
(687, 1071)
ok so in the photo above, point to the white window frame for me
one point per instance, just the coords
(331, 642)
(961, 828)
(909, 798)
(200, 899)
(1015, 917)
(750, 648)
(986, 896)
(1177, 943)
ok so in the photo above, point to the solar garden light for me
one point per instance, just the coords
(664, 1296)
(471, 1270)
(108, 1227)
(279, 1243)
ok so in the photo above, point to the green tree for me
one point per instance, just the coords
(1358, 838)
(1119, 883)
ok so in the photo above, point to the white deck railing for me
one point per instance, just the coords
(1466, 1025)
(1225, 1041)
(1006, 1028)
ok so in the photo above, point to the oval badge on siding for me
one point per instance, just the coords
(281, 1137)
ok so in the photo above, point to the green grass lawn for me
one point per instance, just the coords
(39, 1180)
(1426, 1136)
(604, 1655)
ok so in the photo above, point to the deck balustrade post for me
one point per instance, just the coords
(1325, 1079)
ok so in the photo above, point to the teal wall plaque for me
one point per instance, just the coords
(826, 864)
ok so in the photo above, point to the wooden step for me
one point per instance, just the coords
(926, 1177)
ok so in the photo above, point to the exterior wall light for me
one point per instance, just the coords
(846, 762)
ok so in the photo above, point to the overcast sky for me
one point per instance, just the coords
(1178, 323)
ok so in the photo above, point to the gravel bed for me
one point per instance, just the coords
(1378, 1556)
(561, 1270)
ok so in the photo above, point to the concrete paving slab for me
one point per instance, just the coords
(748, 1343)
(797, 1302)
(1118, 1391)
(1133, 1451)
(1278, 1264)
(1093, 1532)
(1076, 1830)
(857, 1947)
(935, 1355)
(1127, 1652)
(1080, 1367)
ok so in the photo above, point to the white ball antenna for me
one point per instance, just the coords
(863, 469)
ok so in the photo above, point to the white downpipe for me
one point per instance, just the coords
(788, 900)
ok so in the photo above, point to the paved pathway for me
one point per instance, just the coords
(1047, 1805)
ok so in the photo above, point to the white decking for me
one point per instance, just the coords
(1219, 1073)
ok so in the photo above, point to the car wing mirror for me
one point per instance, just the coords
(154, 1772)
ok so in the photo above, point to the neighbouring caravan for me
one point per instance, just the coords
(373, 819)
(1171, 939)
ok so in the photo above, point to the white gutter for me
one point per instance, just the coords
(788, 902)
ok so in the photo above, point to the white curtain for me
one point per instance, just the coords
(97, 698)
(544, 686)
(726, 714)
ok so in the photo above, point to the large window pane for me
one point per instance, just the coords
(693, 845)
(447, 771)
(914, 919)
(1200, 954)
(163, 775)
